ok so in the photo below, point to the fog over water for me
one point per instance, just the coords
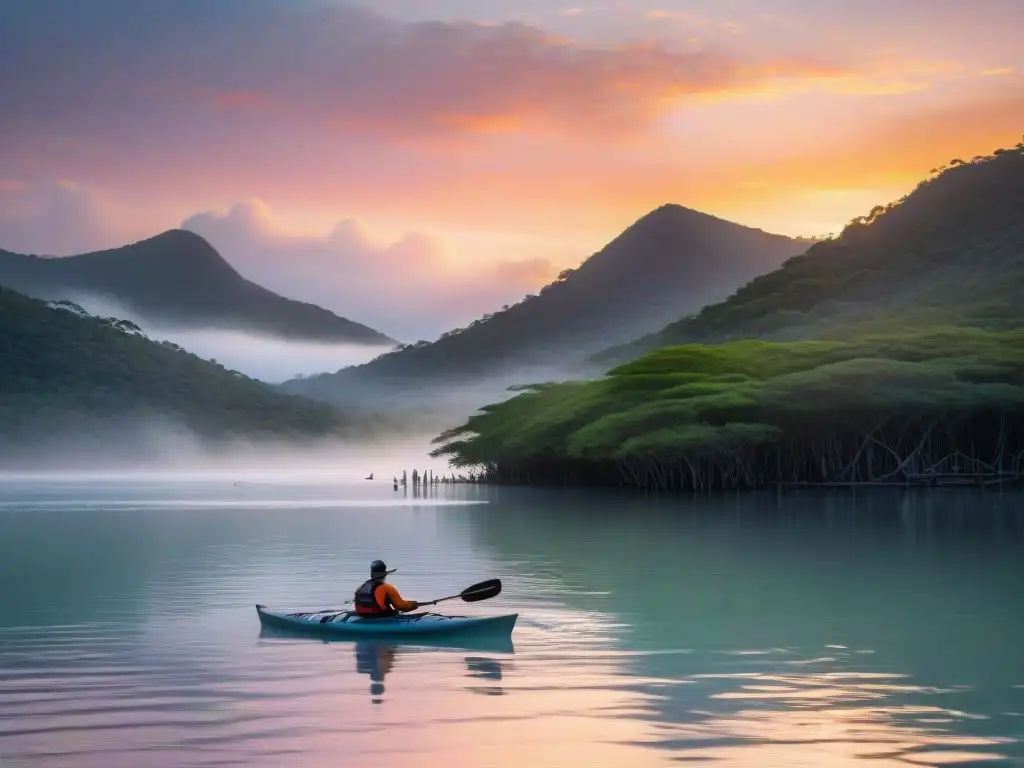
(164, 452)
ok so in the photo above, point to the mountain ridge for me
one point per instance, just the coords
(179, 277)
(901, 262)
(671, 259)
(892, 354)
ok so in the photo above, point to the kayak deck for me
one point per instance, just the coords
(350, 624)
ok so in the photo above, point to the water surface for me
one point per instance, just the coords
(824, 630)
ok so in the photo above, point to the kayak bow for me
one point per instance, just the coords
(349, 624)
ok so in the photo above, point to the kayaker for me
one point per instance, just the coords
(375, 660)
(378, 598)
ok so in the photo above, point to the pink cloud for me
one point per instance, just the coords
(56, 219)
(365, 73)
(407, 288)
(506, 127)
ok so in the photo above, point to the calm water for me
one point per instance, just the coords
(880, 630)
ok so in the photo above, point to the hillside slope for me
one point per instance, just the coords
(671, 261)
(66, 372)
(178, 278)
(952, 251)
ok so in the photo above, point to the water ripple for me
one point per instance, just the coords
(131, 640)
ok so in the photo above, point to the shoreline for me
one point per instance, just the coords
(965, 481)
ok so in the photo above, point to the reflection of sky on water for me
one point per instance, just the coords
(815, 717)
(649, 633)
(827, 631)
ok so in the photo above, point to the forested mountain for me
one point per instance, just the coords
(910, 367)
(945, 405)
(951, 251)
(670, 262)
(65, 371)
(178, 278)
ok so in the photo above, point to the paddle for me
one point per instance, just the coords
(483, 590)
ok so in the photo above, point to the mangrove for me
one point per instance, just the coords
(932, 406)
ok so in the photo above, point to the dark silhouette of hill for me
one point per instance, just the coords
(177, 277)
(951, 252)
(670, 262)
(63, 369)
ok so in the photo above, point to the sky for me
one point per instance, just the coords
(412, 164)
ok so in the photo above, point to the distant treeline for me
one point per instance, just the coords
(928, 406)
(65, 371)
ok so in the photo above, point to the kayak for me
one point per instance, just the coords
(349, 624)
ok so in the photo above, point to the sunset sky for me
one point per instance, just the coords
(447, 156)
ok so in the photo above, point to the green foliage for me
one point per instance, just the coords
(680, 442)
(603, 436)
(61, 367)
(698, 402)
(950, 252)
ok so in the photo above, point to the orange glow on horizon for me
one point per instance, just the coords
(508, 140)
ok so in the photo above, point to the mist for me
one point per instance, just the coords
(270, 359)
(441, 403)
(125, 448)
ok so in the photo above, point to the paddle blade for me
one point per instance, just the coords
(485, 590)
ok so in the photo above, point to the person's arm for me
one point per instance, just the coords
(398, 601)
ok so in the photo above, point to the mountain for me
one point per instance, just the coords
(178, 278)
(65, 372)
(890, 355)
(670, 262)
(950, 252)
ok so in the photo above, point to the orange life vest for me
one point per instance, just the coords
(367, 603)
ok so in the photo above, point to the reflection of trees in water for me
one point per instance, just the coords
(829, 620)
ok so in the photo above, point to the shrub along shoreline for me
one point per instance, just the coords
(935, 406)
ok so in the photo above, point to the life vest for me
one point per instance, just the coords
(366, 600)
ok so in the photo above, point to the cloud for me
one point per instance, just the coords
(408, 288)
(55, 219)
(362, 73)
(320, 106)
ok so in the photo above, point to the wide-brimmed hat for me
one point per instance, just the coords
(378, 566)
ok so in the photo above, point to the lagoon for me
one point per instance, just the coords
(831, 629)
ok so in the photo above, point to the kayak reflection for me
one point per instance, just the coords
(483, 643)
(377, 659)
